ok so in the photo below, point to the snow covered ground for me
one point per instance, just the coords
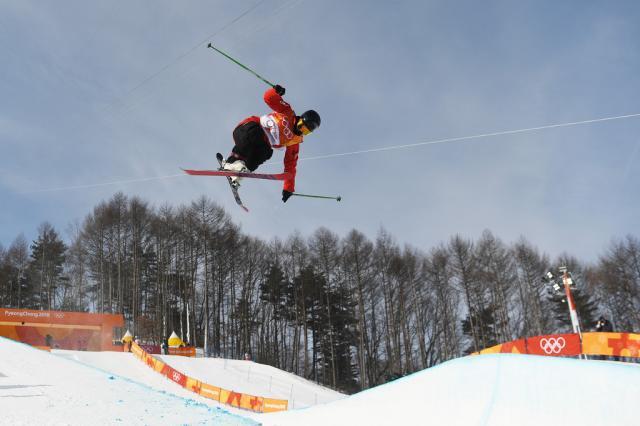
(254, 379)
(68, 387)
(491, 390)
(39, 388)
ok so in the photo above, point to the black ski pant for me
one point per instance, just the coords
(251, 145)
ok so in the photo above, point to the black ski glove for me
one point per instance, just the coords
(279, 89)
(286, 195)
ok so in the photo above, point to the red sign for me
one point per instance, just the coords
(554, 345)
(174, 375)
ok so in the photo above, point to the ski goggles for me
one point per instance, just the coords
(303, 127)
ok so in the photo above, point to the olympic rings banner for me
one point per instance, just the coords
(240, 400)
(612, 344)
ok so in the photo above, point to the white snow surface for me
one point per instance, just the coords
(77, 388)
(496, 390)
(40, 388)
(254, 379)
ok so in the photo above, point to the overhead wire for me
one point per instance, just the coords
(463, 138)
(380, 149)
(191, 50)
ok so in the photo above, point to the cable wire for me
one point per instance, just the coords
(464, 138)
(380, 149)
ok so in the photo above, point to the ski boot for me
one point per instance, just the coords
(235, 166)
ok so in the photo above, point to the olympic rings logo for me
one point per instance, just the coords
(552, 345)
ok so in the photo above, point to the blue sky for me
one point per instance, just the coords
(93, 93)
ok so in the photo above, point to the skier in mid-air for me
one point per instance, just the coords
(256, 137)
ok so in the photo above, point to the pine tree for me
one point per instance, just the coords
(342, 330)
(483, 324)
(272, 294)
(585, 306)
(49, 286)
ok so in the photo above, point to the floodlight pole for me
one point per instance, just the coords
(573, 312)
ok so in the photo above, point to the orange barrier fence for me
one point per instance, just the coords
(611, 344)
(241, 400)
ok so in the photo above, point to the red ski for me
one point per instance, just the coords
(229, 173)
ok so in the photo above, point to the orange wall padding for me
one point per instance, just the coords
(596, 343)
(240, 400)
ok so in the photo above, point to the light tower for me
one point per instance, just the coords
(567, 283)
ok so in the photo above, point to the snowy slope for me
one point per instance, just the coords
(240, 376)
(491, 390)
(255, 379)
(39, 388)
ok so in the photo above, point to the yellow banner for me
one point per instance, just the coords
(236, 399)
(612, 344)
(251, 402)
(270, 405)
(211, 392)
(230, 397)
(594, 343)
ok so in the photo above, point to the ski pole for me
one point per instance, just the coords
(243, 66)
(338, 198)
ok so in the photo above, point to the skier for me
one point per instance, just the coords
(256, 137)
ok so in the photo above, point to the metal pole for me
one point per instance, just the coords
(338, 198)
(573, 312)
(238, 63)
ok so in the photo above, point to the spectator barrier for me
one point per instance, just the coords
(240, 400)
(597, 343)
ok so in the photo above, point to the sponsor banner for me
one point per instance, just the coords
(514, 347)
(193, 385)
(251, 402)
(550, 345)
(554, 345)
(78, 331)
(137, 351)
(174, 375)
(156, 364)
(76, 319)
(270, 405)
(594, 343)
(189, 351)
(211, 392)
(235, 399)
(230, 397)
(612, 344)
(151, 349)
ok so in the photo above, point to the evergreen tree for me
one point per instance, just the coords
(585, 306)
(342, 329)
(272, 293)
(483, 324)
(49, 286)
(5, 281)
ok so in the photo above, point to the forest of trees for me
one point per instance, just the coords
(345, 311)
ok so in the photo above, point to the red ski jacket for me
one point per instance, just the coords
(278, 128)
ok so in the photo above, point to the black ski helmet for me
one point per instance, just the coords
(311, 119)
